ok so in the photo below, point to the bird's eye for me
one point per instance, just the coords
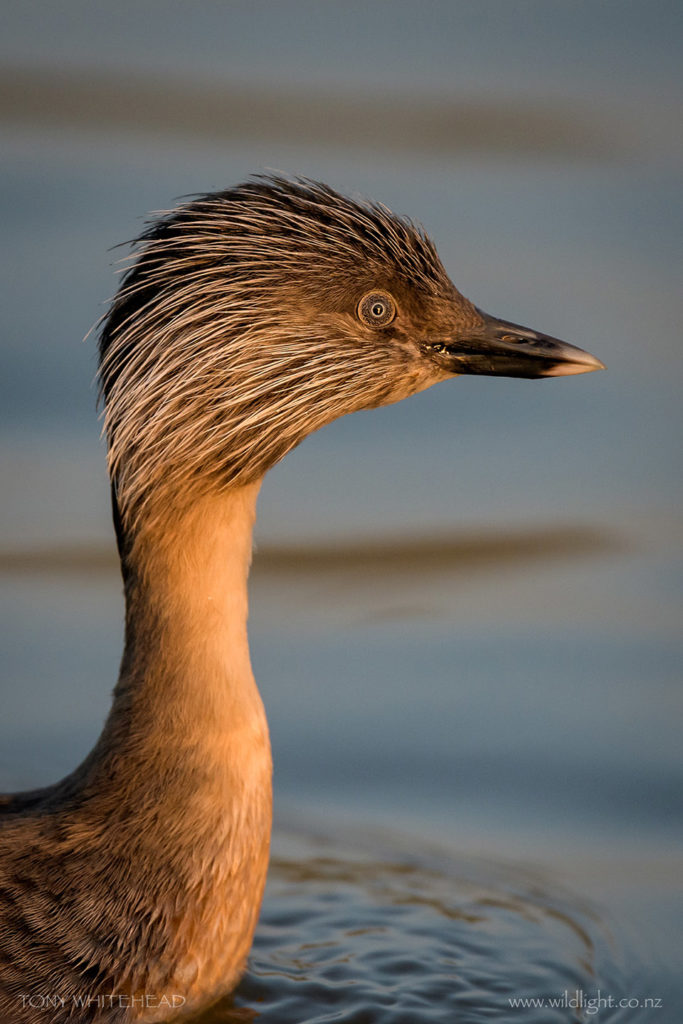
(376, 309)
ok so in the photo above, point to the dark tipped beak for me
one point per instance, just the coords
(502, 349)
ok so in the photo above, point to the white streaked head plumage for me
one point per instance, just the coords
(235, 333)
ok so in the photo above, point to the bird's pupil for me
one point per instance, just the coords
(376, 309)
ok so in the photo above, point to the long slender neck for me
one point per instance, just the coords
(186, 709)
(187, 655)
(178, 787)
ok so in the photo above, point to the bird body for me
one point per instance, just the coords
(130, 890)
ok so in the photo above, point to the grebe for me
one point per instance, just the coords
(130, 890)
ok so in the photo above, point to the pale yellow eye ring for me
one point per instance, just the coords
(376, 309)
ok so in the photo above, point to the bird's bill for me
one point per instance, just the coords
(502, 349)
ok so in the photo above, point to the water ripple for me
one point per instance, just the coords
(359, 937)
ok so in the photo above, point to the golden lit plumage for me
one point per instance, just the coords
(238, 330)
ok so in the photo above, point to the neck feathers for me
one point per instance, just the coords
(186, 656)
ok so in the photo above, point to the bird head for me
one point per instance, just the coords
(252, 317)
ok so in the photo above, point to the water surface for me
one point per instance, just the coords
(465, 608)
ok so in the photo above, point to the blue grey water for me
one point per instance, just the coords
(478, 767)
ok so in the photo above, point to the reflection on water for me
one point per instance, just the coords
(449, 553)
(363, 935)
(437, 125)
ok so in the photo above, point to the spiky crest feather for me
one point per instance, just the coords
(232, 337)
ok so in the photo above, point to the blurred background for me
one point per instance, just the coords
(466, 608)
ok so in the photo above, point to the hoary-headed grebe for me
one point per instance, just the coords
(249, 318)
